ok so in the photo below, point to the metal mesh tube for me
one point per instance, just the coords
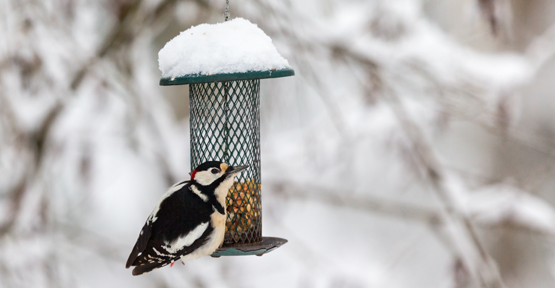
(225, 126)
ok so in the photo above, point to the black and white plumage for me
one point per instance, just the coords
(189, 220)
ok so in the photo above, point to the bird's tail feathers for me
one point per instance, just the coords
(141, 269)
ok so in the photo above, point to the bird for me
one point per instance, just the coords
(189, 220)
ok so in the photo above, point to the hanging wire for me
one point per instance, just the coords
(226, 13)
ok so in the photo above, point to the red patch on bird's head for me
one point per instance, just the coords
(193, 175)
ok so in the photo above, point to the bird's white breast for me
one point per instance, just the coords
(216, 238)
(221, 191)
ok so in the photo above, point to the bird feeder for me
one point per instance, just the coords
(224, 99)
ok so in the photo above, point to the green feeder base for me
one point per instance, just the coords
(267, 245)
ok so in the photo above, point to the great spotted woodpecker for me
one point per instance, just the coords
(189, 220)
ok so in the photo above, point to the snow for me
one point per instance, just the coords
(505, 204)
(502, 204)
(329, 138)
(234, 46)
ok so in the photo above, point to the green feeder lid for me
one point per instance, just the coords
(233, 50)
(198, 78)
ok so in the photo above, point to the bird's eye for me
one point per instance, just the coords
(214, 171)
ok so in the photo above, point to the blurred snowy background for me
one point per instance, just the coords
(415, 147)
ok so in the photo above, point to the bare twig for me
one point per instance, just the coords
(407, 212)
(433, 173)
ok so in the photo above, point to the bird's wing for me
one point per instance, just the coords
(177, 226)
(157, 254)
(146, 232)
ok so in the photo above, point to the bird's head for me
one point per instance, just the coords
(211, 171)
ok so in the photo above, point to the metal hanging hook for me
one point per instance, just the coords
(226, 13)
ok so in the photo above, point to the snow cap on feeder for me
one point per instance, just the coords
(232, 50)
(223, 64)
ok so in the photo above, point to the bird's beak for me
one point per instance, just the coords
(233, 170)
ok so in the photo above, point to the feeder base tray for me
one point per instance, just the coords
(267, 245)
